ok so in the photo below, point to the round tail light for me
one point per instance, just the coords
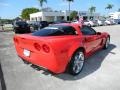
(37, 46)
(46, 48)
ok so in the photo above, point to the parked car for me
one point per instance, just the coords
(95, 23)
(75, 21)
(33, 25)
(60, 21)
(36, 25)
(43, 24)
(113, 22)
(107, 22)
(119, 22)
(99, 22)
(60, 47)
(1, 24)
(78, 22)
(88, 23)
(21, 27)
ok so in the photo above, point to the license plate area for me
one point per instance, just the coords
(26, 52)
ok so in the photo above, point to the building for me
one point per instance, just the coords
(60, 15)
(114, 15)
(88, 15)
(48, 16)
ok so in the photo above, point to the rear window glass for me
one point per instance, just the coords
(55, 30)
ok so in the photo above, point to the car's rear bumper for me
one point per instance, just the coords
(49, 62)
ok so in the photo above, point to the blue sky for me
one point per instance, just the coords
(13, 8)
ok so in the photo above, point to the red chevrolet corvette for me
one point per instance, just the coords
(60, 47)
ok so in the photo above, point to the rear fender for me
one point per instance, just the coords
(105, 35)
(73, 49)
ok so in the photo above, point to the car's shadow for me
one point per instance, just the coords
(92, 64)
(2, 81)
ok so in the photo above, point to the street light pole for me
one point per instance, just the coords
(0, 20)
(1, 23)
(69, 11)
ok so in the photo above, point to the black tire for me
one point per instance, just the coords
(26, 62)
(76, 65)
(16, 31)
(106, 24)
(89, 25)
(107, 42)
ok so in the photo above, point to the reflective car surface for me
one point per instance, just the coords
(60, 47)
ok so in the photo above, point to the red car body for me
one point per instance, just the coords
(54, 52)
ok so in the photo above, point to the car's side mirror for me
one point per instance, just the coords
(98, 33)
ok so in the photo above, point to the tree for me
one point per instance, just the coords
(27, 11)
(119, 10)
(41, 3)
(73, 15)
(69, 2)
(109, 7)
(92, 9)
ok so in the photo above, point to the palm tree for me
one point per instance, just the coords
(119, 10)
(41, 3)
(92, 9)
(69, 2)
(109, 6)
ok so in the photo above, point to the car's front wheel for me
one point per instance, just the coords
(89, 25)
(107, 43)
(76, 63)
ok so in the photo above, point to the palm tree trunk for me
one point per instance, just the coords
(69, 11)
(41, 8)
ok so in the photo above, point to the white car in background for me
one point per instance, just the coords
(113, 22)
(100, 23)
(107, 22)
(88, 23)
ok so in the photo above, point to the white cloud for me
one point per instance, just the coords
(4, 4)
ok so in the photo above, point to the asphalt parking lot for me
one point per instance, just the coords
(101, 70)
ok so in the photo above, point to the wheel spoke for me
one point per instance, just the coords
(77, 68)
(80, 55)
